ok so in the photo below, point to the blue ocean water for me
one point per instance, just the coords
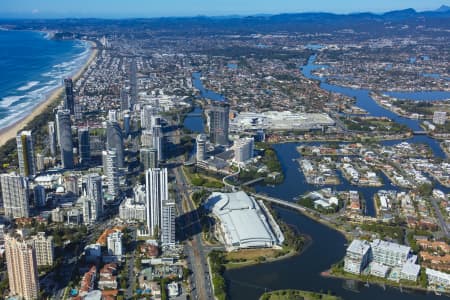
(31, 67)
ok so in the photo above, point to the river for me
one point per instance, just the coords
(328, 246)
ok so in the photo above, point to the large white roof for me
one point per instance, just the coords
(243, 223)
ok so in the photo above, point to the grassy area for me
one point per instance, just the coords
(199, 179)
(247, 257)
(374, 124)
(217, 260)
(297, 295)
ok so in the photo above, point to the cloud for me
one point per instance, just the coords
(35, 11)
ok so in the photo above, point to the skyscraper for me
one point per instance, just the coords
(44, 249)
(111, 171)
(158, 141)
(69, 101)
(218, 122)
(25, 153)
(22, 268)
(168, 223)
(114, 139)
(65, 138)
(52, 138)
(93, 199)
(201, 147)
(156, 193)
(124, 102)
(149, 158)
(84, 148)
(15, 193)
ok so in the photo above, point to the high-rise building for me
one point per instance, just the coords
(84, 147)
(69, 100)
(93, 199)
(201, 147)
(44, 249)
(114, 243)
(124, 102)
(114, 139)
(65, 138)
(147, 139)
(149, 158)
(25, 153)
(218, 115)
(15, 193)
(110, 161)
(52, 138)
(126, 124)
(439, 117)
(168, 223)
(39, 196)
(156, 192)
(158, 141)
(22, 268)
(147, 114)
(243, 149)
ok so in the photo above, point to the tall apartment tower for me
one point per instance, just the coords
(69, 100)
(114, 139)
(168, 223)
(22, 268)
(201, 147)
(111, 168)
(93, 200)
(15, 191)
(149, 158)
(52, 138)
(25, 153)
(84, 147)
(158, 141)
(43, 245)
(219, 122)
(157, 192)
(65, 138)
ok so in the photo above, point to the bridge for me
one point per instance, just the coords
(284, 203)
(420, 132)
(194, 115)
(253, 181)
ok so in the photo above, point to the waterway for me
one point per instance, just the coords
(328, 246)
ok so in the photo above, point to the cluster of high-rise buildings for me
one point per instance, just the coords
(23, 257)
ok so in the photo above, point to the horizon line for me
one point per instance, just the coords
(231, 15)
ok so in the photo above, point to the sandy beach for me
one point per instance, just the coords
(11, 131)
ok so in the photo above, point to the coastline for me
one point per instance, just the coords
(11, 131)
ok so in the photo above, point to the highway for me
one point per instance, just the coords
(195, 251)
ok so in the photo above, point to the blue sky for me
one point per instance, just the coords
(157, 8)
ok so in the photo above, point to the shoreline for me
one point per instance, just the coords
(11, 131)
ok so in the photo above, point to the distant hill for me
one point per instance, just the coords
(443, 8)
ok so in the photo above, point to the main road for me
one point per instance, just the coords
(194, 247)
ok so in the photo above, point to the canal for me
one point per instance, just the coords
(328, 246)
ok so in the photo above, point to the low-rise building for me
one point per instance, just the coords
(390, 254)
(438, 278)
(410, 271)
(357, 256)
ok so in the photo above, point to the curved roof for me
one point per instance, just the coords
(242, 221)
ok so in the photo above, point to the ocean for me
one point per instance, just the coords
(32, 66)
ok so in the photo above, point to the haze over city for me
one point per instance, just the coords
(142, 8)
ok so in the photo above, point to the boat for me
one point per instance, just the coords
(367, 284)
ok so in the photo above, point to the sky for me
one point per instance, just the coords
(166, 8)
